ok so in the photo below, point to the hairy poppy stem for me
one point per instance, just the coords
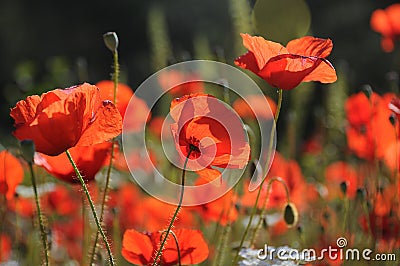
(96, 219)
(254, 210)
(115, 77)
(43, 234)
(177, 208)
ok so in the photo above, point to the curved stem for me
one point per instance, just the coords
(254, 209)
(176, 243)
(96, 219)
(176, 211)
(43, 234)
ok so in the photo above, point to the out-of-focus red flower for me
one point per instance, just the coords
(11, 174)
(69, 235)
(341, 172)
(134, 121)
(62, 201)
(369, 133)
(222, 209)
(302, 60)
(5, 247)
(258, 103)
(124, 94)
(22, 206)
(150, 214)
(89, 161)
(213, 132)
(178, 83)
(385, 229)
(290, 173)
(64, 118)
(387, 23)
(139, 248)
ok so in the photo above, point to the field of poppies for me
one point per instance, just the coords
(269, 158)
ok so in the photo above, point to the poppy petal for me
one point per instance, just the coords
(263, 50)
(310, 46)
(136, 247)
(107, 124)
(192, 246)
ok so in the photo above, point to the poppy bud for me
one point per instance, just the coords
(360, 194)
(28, 150)
(343, 187)
(367, 90)
(392, 119)
(111, 41)
(290, 215)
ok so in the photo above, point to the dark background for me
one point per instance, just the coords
(48, 44)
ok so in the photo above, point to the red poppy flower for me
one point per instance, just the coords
(339, 172)
(22, 206)
(213, 132)
(134, 122)
(387, 22)
(62, 201)
(11, 174)
(89, 161)
(302, 60)
(222, 209)
(369, 133)
(258, 102)
(64, 118)
(139, 248)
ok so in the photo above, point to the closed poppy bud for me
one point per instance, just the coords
(28, 150)
(343, 187)
(290, 215)
(360, 195)
(111, 41)
(367, 90)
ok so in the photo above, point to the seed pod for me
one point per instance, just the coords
(111, 41)
(290, 215)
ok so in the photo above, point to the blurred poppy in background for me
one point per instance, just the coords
(387, 23)
(11, 174)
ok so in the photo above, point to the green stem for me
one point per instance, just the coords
(176, 211)
(96, 219)
(269, 187)
(254, 210)
(115, 78)
(43, 234)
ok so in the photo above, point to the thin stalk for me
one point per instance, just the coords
(269, 187)
(96, 219)
(254, 210)
(115, 78)
(177, 209)
(43, 234)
